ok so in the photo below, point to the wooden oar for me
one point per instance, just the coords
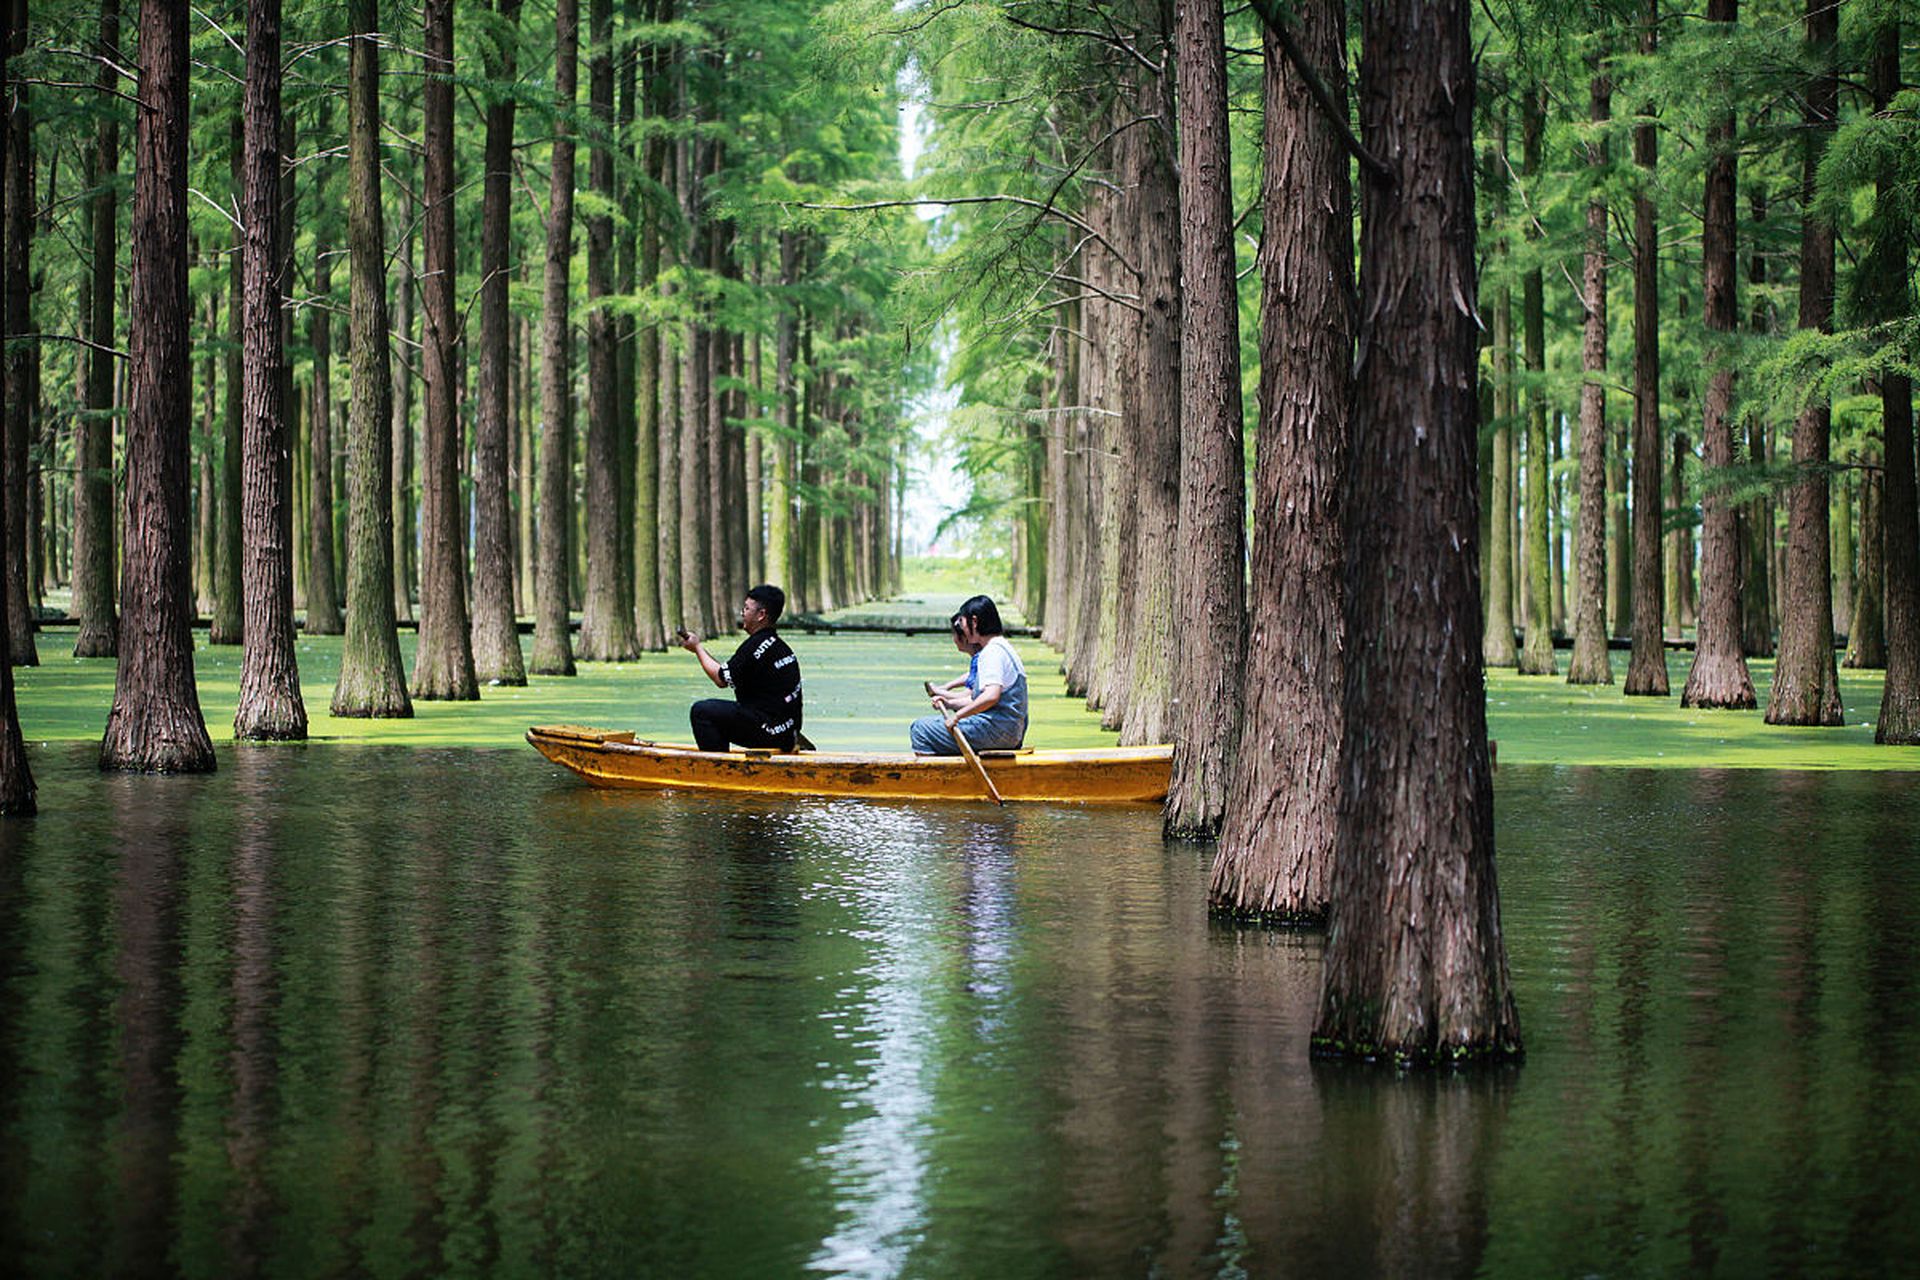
(966, 749)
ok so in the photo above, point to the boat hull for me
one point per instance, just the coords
(604, 758)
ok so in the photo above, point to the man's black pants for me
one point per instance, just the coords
(719, 721)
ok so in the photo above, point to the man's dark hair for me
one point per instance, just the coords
(986, 618)
(771, 598)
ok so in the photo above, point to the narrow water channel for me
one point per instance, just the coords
(382, 1011)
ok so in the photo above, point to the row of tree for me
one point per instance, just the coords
(745, 389)
(1092, 261)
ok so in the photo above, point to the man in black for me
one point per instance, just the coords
(764, 676)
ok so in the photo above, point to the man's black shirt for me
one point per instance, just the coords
(765, 678)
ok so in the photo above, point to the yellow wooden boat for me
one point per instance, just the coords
(1109, 775)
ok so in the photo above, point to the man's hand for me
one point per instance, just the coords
(688, 640)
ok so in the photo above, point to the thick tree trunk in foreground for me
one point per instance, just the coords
(155, 725)
(1647, 665)
(606, 621)
(1589, 663)
(24, 353)
(270, 706)
(1416, 969)
(16, 776)
(1211, 604)
(1806, 679)
(372, 680)
(1275, 857)
(1536, 653)
(1719, 675)
(552, 639)
(496, 640)
(443, 660)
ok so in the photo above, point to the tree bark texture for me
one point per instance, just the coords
(1589, 662)
(1899, 723)
(23, 353)
(93, 540)
(649, 618)
(443, 659)
(406, 281)
(323, 607)
(270, 707)
(372, 680)
(1497, 645)
(1647, 664)
(1806, 678)
(1416, 968)
(1276, 849)
(1536, 654)
(155, 725)
(606, 622)
(1151, 405)
(1866, 634)
(1210, 602)
(1719, 676)
(16, 775)
(496, 640)
(1756, 579)
(228, 619)
(552, 639)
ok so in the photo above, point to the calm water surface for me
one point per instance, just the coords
(389, 1012)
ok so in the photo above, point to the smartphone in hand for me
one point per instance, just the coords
(684, 634)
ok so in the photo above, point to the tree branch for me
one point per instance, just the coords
(1336, 114)
(915, 202)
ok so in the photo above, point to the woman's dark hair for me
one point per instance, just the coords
(771, 598)
(986, 618)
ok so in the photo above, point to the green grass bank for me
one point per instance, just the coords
(863, 689)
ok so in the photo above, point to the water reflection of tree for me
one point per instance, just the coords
(152, 840)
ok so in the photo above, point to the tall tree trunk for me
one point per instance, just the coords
(649, 618)
(372, 680)
(1757, 574)
(523, 384)
(1806, 679)
(1866, 634)
(606, 623)
(1415, 969)
(155, 725)
(1841, 530)
(1153, 416)
(1647, 665)
(323, 608)
(552, 637)
(1497, 645)
(206, 515)
(1536, 654)
(780, 559)
(23, 353)
(228, 619)
(443, 660)
(1211, 605)
(1899, 722)
(1275, 857)
(405, 283)
(93, 542)
(1589, 663)
(270, 707)
(1719, 675)
(16, 775)
(496, 640)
